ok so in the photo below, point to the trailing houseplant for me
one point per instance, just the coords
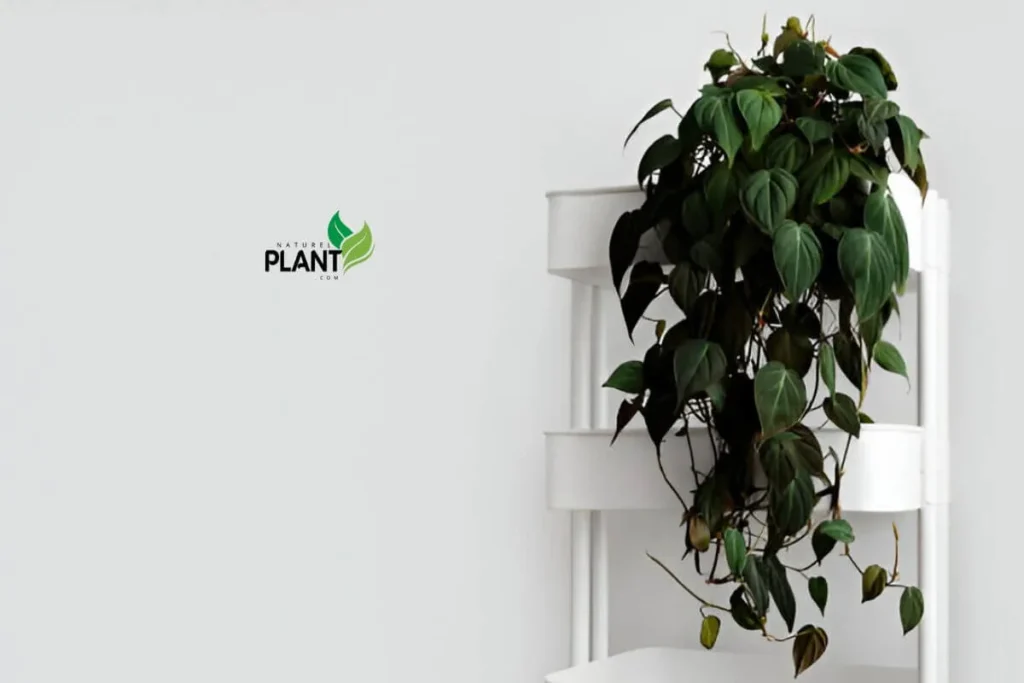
(788, 256)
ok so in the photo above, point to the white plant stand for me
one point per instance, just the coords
(895, 467)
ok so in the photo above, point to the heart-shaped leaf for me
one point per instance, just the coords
(842, 411)
(767, 196)
(825, 174)
(755, 579)
(868, 268)
(815, 130)
(628, 377)
(660, 154)
(817, 586)
(797, 253)
(882, 216)
(698, 364)
(761, 113)
(889, 358)
(791, 507)
(858, 74)
(787, 152)
(808, 647)
(742, 613)
(780, 590)
(872, 583)
(911, 608)
(906, 141)
(713, 113)
(791, 349)
(837, 529)
(780, 397)
(685, 284)
(735, 551)
(709, 629)
(827, 367)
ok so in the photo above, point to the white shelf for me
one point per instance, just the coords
(587, 472)
(580, 224)
(672, 665)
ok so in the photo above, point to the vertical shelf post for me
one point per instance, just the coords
(600, 418)
(581, 416)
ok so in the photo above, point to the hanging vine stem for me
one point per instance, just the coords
(704, 603)
(664, 475)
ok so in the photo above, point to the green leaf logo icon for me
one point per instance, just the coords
(355, 247)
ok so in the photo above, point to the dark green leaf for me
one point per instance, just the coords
(628, 377)
(883, 65)
(817, 586)
(780, 460)
(706, 253)
(759, 82)
(716, 392)
(709, 628)
(627, 411)
(827, 367)
(735, 551)
(825, 174)
(797, 254)
(791, 349)
(659, 414)
(801, 319)
(780, 590)
(858, 74)
(720, 191)
(780, 397)
(660, 154)
(741, 611)
(685, 284)
(822, 546)
(906, 138)
(787, 152)
(889, 358)
(868, 268)
(808, 647)
(623, 245)
(867, 170)
(837, 529)
(644, 282)
(696, 220)
(714, 116)
(873, 132)
(754, 579)
(911, 608)
(848, 357)
(791, 507)
(651, 113)
(842, 411)
(802, 58)
(761, 113)
(872, 583)
(767, 196)
(882, 216)
(878, 110)
(698, 364)
(815, 130)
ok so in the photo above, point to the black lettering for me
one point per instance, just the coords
(271, 258)
(334, 259)
(301, 263)
(319, 260)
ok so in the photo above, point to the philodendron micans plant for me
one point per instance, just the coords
(788, 256)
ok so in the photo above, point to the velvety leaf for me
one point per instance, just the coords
(836, 529)
(735, 551)
(780, 397)
(868, 268)
(879, 110)
(874, 133)
(623, 245)
(797, 253)
(780, 590)
(627, 411)
(808, 647)
(685, 284)
(761, 113)
(698, 364)
(659, 414)
(827, 367)
(822, 546)
(801, 59)
(801, 319)
(883, 65)
(780, 460)
(660, 154)
(906, 139)
(757, 586)
(628, 377)
(808, 450)
(817, 586)
(742, 613)
(911, 608)
(645, 280)
(889, 358)
(696, 220)
(714, 115)
(858, 74)
(758, 82)
(709, 629)
(842, 411)
(825, 174)
(872, 583)
(882, 216)
(787, 152)
(720, 190)
(815, 130)
(719, 63)
(791, 507)
(867, 170)
(791, 349)
(767, 196)
(651, 113)
(848, 357)
(700, 535)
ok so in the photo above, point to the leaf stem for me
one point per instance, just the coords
(664, 475)
(702, 601)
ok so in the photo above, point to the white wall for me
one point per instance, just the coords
(208, 473)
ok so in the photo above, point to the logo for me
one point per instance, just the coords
(320, 258)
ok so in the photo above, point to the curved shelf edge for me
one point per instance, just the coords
(585, 471)
(675, 665)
